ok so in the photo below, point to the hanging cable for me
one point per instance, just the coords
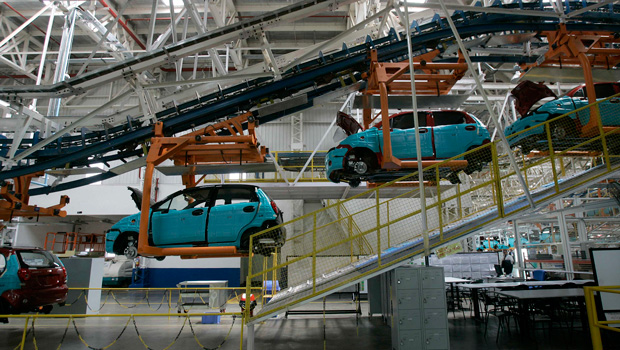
(223, 341)
(107, 346)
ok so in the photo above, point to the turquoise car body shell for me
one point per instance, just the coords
(9, 280)
(433, 147)
(224, 224)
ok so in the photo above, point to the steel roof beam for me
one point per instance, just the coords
(505, 11)
(240, 30)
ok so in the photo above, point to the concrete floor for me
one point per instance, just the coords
(340, 332)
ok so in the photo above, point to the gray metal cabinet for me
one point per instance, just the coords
(417, 306)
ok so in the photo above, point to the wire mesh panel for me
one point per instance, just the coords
(348, 239)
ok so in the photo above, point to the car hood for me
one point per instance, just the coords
(348, 124)
(527, 93)
(136, 196)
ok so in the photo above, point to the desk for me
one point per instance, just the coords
(455, 280)
(525, 297)
(476, 286)
(504, 279)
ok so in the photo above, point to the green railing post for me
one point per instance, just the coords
(338, 210)
(552, 158)
(498, 198)
(378, 213)
(21, 346)
(603, 140)
(388, 220)
(527, 183)
(248, 283)
(439, 209)
(595, 331)
(314, 254)
(459, 203)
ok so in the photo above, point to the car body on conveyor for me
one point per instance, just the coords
(213, 215)
(565, 129)
(443, 134)
(31, 279)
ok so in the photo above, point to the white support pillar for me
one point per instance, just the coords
(149, 43)
(568, 259)
(62, 63)
(297, 132)
(418, 147)
(581, 225)
(46, 42)
(518, 251)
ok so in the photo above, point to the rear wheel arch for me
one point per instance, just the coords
(122, 241)
(366, 155)
(244, 241)
(563, 127)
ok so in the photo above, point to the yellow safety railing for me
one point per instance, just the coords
(351, 227)
(110, 296)
(30, 321)
(593, 318)
(167, 299)
(317, 248)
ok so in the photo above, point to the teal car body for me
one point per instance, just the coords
(215, 215)
(443, 135)
(565, 128)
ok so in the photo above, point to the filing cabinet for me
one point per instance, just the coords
(417, 306)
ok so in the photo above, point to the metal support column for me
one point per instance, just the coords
(62, 63)
(418, 145)
(582, 232)
(568, 259)
(518, 250)
(511, 156)
(46, 42)
(250, 343)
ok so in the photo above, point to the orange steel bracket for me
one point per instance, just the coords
(393, 79)
(205, 146)
(585, 50)
(14, 200)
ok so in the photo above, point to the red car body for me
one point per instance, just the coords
(31, 279)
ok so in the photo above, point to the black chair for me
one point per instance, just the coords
(501, 308)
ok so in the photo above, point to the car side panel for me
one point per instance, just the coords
(179, 226)
(370, 139)
(403, 143)
(449, 141)
(227, 222)
(609, 110)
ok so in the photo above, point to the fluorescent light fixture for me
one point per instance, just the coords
(175, 3)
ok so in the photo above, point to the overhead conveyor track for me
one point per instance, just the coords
(304, 82)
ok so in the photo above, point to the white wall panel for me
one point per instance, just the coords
(277, 134)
